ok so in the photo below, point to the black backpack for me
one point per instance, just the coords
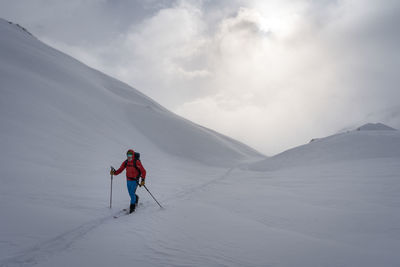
(135, 158)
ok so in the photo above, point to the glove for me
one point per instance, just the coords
(112, 172)
(141, 183)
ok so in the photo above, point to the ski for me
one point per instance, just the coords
(121, 213)
(124, 212)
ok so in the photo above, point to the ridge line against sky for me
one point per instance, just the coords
(272, 74)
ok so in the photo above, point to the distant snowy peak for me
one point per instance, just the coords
(375, 127)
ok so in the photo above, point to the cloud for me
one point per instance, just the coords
(280, 84)
(272, 74)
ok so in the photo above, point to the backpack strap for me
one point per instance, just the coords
(136, 167)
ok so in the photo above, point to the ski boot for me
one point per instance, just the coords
(132, 208)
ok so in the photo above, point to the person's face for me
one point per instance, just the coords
(130, 156)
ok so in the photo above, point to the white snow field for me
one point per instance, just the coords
(333, 202)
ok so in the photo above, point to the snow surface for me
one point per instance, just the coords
(333, 202)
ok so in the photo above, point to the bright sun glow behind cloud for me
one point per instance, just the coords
(278, 17)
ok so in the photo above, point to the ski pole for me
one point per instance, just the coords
(153, 196)
(112, 169)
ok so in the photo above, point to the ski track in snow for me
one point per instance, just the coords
(46, 249)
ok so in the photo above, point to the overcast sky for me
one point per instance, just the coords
(270, 73)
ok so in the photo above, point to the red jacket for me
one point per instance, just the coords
(131, 172)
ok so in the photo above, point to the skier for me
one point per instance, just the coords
(134, 170)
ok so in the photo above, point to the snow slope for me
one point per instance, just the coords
(333, 202)
(338, 214)
(364, 143)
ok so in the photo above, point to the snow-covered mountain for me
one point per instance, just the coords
(59, 110)
(332, 202)
(368, 141)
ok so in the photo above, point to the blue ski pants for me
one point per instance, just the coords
(132, 186)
